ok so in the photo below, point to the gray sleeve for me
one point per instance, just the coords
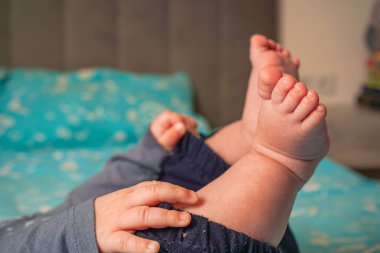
(142, 163)
(70, 227)
(71, 231)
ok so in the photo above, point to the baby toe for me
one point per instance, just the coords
(296, 61)
(286, 53)
(268, 77)
(316, 118)
(281, 90)
(294, 97)
(307, 105)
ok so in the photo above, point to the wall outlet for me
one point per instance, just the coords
(324, 84)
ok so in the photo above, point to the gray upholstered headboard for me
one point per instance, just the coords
(206, 38)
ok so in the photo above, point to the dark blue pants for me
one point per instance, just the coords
(193, 165)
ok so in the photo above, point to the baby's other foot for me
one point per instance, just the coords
(169, 127)
(291, 127)
(264, 52)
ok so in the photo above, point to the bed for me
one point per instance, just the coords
(81, 80)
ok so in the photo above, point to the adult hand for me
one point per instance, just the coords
(119, 214)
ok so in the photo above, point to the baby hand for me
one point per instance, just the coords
(169, 127)
(119, 214)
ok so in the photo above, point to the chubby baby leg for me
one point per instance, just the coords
(256, 195)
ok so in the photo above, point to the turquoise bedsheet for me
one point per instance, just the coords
(337, 211)
(38, 180)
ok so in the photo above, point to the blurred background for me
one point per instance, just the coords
(209, 41)
(330, 37)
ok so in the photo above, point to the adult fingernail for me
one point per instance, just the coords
(153, 247)
(183, 216)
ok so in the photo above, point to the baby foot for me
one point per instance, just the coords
(169, 127)
(291, 126)
(263, 53)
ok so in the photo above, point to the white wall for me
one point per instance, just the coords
(329, 38)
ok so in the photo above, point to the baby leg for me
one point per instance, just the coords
(256, 195)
